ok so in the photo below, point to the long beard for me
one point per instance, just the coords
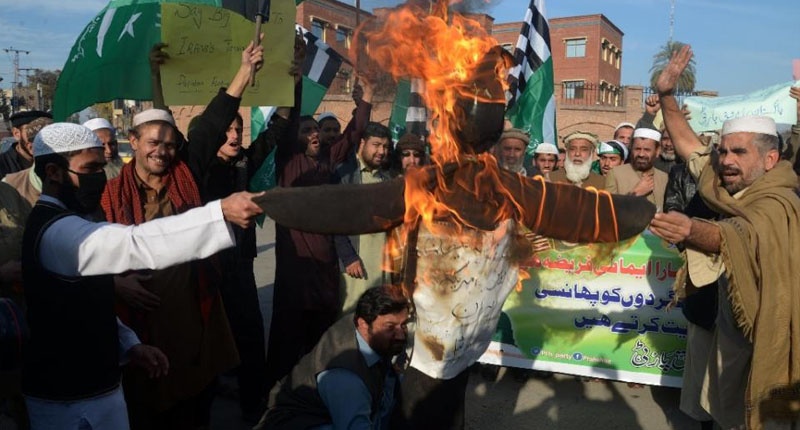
(668, 156)
(577, 172)
(516, 167)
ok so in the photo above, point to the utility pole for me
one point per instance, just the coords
(16, 71)
(671, 19)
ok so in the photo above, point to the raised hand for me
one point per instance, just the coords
(253, 56)
(677, 64)
(652, 104)
(158, 57)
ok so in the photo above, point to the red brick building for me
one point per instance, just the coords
(587, 68)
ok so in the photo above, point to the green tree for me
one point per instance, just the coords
(47, 79)
(688, 78)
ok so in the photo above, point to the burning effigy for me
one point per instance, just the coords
(460, 221)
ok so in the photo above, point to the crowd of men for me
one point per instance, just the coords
(134, 319)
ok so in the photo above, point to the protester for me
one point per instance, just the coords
(306, 292)
(640, 178)
(409, 153)
(510, 150)
(108, 135)
(545, 158)
(14, 212)
(562, 156)
(221, 166)
(71, 371)
(666, 154)
(623, 133)
(612, 154)
(577, 170)
(348, 380)
(330, 130)
(752, 366)
(177, 309)
(26, 182)
(700, 302)
(20, 156)
(362, 255)
(793, 144)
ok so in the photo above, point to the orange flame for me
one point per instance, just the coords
(414, 44)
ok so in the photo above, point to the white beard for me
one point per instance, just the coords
(576, 173)
(667, 156)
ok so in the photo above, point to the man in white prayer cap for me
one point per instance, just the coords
(640, 178)
(108, 136)
(71, 371)
(753, 369)
(545, 158)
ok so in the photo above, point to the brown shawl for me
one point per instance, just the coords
(760, 237)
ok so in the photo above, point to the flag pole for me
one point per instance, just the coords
(358, 24)
(262, 15)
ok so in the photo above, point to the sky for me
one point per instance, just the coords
(740, 46)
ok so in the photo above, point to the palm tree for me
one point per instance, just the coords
(687, 79)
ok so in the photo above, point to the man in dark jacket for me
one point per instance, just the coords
(221, 166)
(348, 379)
(20, 156)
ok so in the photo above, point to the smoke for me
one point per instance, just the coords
(473, 6)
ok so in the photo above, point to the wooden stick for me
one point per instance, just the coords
(256, 42)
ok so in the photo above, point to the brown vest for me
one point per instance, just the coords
(295, 403)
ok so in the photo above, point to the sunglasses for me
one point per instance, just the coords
(414, 154)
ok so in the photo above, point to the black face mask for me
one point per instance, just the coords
(85, 199)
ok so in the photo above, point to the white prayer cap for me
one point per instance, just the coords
(623, 124)
(647, 133)
(750, 124)
(98, 123)
(61, 137)
(325, 115)
(613, 147)
(152, 115)
(546, 148)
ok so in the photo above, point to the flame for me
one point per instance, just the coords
(415, 44)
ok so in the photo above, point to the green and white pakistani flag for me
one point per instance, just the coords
(110, 58)
(532, 105)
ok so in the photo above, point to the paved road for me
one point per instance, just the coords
(561, 402)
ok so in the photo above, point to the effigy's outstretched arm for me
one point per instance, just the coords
(485, 196)
(337, 209)
(478, 197)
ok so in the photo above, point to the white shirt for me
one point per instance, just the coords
(73, 246)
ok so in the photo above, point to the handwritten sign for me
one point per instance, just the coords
(598, 311)
(710, 113)
(205, 46)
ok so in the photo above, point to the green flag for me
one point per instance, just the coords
(532, 104)
(397, 122)
(109, 59)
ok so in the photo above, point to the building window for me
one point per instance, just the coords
(618, 58)
(573, 90)
(343, 36)
(604, 48)
(576, 48)
(318, 29)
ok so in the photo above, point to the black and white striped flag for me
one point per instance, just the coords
(531, 101)
(417, 114)
(322, 62)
